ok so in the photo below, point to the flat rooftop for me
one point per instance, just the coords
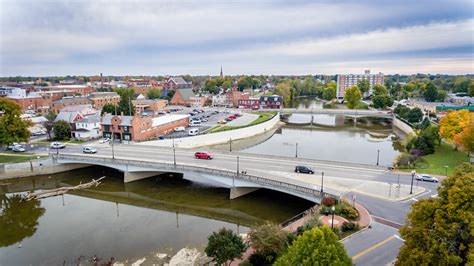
(166, 119)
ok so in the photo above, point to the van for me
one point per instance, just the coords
(194, 123)
(193, 132)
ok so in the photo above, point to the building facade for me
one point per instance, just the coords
(250, 103)
(271, 102)
(344, 82)
(99, 99)
(73, 101)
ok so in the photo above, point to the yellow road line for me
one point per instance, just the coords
(372, 248)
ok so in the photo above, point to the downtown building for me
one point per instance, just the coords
(344, 82)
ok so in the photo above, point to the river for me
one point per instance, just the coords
(160, 214)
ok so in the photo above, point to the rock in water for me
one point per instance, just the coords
(185, 257)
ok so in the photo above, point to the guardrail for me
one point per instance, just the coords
(316, 193)
(337, 111)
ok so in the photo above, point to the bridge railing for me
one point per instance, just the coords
(312, 192)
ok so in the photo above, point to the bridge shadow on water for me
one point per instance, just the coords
(170, 192)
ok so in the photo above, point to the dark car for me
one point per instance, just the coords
(304, 169)
(202, 155)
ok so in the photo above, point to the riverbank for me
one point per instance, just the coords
(442, 162)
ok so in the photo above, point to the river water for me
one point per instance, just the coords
(160, 214)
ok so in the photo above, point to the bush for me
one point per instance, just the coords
(349, 226)
(404, 160)
(300, 230)
(348, 212)
(259, 259)
(329, 201)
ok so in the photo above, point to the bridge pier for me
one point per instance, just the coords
(135, 176)
(236, 192)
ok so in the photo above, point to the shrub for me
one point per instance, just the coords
(301, 229)
(349, 212)
(259, 259)
(329, 201)
(349, 226)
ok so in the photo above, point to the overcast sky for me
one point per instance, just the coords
(45, 38)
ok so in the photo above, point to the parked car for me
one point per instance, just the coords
(304, 169)
(195, 119)
(194, 123)
(233, 117)
(39, 133)
(237, 114)
(179, 129)
(202, 155)
(192, 113)
(88, 149)
(18, 148)
(222, 122)
(193, 132)
(427, 178)
(228, 119)
(104, 140)
(204, 120)
(11, 147)
(57, 145)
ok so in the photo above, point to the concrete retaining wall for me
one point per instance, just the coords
(402, 126)
(216, 138)
(36, 167)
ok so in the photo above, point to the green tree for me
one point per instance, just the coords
(441, 95)
(62, 130)
(109, 108)
(379, 90)
(286, 91)
(268, 240)
(224, 245)
(318, 246)
(211, 86)
(439, 231)
(329, 93)
(396, 90)
(461, 84)
(244, 82)
(414, 115)
(431, 92)
(363, 85)
(125, 104)
(470, 92)
(382, 101)
(153, 93)
(12, 127)
(352, 97)
(170, 95)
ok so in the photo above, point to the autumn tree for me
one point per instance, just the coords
(465, 139)
(12, 127)
(268, 240)
(286, 91)
(318, 246)
(453, 124)
(224, 245)
(439, 231)
(352, 97)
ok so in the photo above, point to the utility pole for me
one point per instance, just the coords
(296, 152)
(413, 172)
(322, 182)
(378, 154)
(174, 154)
(238, 166)
(230, 145)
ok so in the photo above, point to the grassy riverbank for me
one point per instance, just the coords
(435, 163)
(263, 117)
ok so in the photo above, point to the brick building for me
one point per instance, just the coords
(138, 128)
(234, 96)
(344, 82)
(250, 103)
(99, 99)
(73, 101)
(173, 83)
(183, 97)
(142, 105)
(271, 102)
(83, 90)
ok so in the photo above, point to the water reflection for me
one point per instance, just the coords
(18, 218)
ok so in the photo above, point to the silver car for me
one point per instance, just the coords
(427, 178)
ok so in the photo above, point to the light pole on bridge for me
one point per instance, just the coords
(378, 155)
(322, 183)
(296, 152)
(230, 145)
(174, 154)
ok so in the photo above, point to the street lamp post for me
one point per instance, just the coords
(332, 223)
(174, 154)
(413, 172)
(230, 145)
(378, 154)
(113, 140)
(322, 182)
(296, 152)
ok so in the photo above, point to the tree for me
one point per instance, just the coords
(125, 104)
(62, 130)
(465, 139)
(363, 85)
(109, 108)
(268, 240)
(329, 93)
(470, 92)
(382, 101)
(244, 83)
(170, 95)
(379, 90)
(431, 92)
(414, 115)
(439, 230)
(12, 127)
(153, 93)
(352, 97)
(396, 90)
(453, 124)
(286, 91)
(461, 84)
(318, 246)
(211, 86)
(225, 245)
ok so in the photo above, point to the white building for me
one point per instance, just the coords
(219, 100)
(344, 82)
(87, 128)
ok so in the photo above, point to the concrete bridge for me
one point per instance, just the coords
(346, 112)
(238, 183)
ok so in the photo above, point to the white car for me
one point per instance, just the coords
(179, 129)
(18, 148)
(57, 145)
(427, 178)
(104, 140)
(88, 149)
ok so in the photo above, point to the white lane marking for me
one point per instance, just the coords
(434, 196)
(399, 238)
(413, 199)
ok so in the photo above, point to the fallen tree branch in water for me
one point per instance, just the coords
(60, 191)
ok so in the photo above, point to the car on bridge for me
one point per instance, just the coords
(427, 178)
(57, 145)
(203, 155)
(303, 169)
(88, 149)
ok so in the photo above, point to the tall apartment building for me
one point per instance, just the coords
(344, 82)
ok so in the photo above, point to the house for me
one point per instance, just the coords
(271, 102)
(250, 103)
(234, 96)
(173, 83)
(219, 100)
(142, 105)
(182, 97)
(87, 128)
(140, 128)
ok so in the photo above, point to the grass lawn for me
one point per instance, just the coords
(435, 163)
(263, 117)
(14, 159)
(76, 141)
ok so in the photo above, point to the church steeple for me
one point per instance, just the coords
(222, 74)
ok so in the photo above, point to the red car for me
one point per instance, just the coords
(232, 117)
(203, 155)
